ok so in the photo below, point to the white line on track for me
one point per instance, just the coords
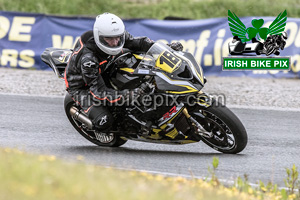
(167, 174)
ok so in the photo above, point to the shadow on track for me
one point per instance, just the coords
(97, 150)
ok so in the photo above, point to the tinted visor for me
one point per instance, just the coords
(112, 42)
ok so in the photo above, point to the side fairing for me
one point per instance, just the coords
(165, 83)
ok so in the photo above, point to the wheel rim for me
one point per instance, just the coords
(104, 138)
(223, 137)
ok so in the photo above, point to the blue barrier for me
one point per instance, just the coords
(24, 36)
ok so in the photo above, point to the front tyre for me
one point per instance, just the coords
(100, 139)
(228, 133)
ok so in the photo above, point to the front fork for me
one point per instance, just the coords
(203, 100)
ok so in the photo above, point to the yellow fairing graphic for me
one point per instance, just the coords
(186, 87)
(188, 90)
(206, 102)
(141, 57)
(155, 136)
(200, 75)
(172, 134)
(126, 69)
(168, 62)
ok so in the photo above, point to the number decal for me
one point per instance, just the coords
(168, 62)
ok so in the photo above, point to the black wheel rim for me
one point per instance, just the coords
(223, 137)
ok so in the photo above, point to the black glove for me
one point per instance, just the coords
(177, 46)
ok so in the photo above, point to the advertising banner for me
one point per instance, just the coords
(24, 36)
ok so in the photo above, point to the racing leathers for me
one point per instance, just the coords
(84, 80)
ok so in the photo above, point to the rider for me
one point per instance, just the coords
(92, 52)
(274, 42)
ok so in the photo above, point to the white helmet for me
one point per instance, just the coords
(107, 26)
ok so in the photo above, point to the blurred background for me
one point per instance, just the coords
(28, 27)
(155, 9)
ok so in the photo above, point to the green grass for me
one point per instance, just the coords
(158, 9)
(24, 176)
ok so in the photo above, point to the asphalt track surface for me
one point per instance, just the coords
(38, 125)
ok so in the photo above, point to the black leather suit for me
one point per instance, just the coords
(84, 80)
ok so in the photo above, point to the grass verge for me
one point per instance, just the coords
(24, 176)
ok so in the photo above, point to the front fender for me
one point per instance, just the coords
(204, 100)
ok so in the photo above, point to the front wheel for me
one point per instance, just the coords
(227, 133)
(100, 139)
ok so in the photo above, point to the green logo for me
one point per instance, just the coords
(263, 40)
(246, 34)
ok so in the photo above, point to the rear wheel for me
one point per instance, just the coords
(228, 135)
(270, 50)
(98, 138)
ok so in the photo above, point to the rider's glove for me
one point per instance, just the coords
(177, 46)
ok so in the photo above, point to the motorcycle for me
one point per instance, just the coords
(161, 71)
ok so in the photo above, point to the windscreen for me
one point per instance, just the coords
(160, 56)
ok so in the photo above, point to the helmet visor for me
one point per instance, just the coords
(112, 42)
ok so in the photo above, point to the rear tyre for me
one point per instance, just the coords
(270, 50)
(100, 139)
(229, 134)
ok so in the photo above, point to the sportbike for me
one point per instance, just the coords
(192, 117)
